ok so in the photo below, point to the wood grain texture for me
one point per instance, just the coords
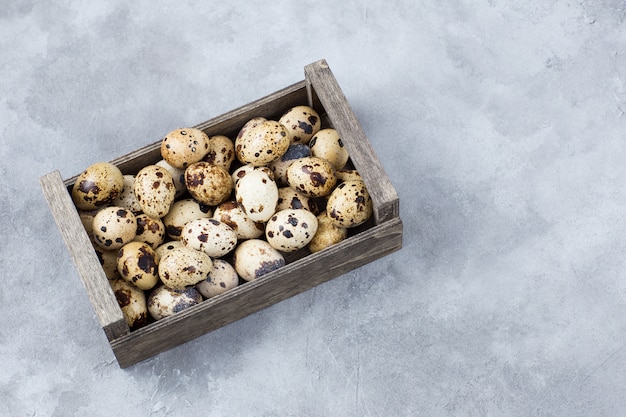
(83, 255)
(325, 88)
(253, 296)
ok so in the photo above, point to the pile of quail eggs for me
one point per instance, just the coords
(216, 212)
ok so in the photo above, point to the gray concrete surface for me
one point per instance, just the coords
(500, 123)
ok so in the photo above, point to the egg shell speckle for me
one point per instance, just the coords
(155, 190)
(327, 234)
(302, 122)
(257, 194)
(210, 236)
(182, 212)
(127, 198)
(133, 303)
(231, 213)
(165, 302)
(178, 175)
(150, 230)
(221, 151)
(327, 144)
(279, 167)
(255, 257)
(184, 146)
(262, 143)
(183, 267)
(312, 176)
(137, 264)
(207, 183)
(288, 198)
(113, 227)
(291, 229)
(222, 278)
(97, 186)
(163, 249)
(350, 204)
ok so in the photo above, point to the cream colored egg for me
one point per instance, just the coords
(108, 261)
(97, 186)
(209, 236)
(279, 167)
(209, 184)
(178, 175)
(258, 195)
(255, 257)
(244, 169)
(350, 204)
(348, 175)
(302, 122)
(155, 190)
(182, 147)
(288, 198)
(262, 143)
(291, 229)
(150, 230)
(137, 264)
(222, 278)
(127, 198)
(312, 176)
(133, 303)
(221, 151)
(183, 267)
(113, 227)
(327, 144)
(165, 302)
(327, 234)
(182, 212)
(163, 249)
(233, 215)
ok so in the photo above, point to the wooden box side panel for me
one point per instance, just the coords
(324, 87)
(84, 257)
(256, 295)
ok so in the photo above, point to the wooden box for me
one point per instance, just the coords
(379, 237)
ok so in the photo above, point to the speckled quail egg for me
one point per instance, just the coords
(207, 183)
(279, 166)
(327, 234)
(183, 267)
(327, 144)
(137, 264)
(249, 125)
(350, 204)
(108, 261)
(165, 302)
(183, 211)
(97, 186)
(291, 229)
(133, 303)
(150, 230)
(288, 198)
(302, 122)
(127, 198)
(262, 143)
(209, 236)
(86, 218)
(221, 151)
(255, 257)
(244, 169)
(184, 146)
(222, 278)
(233, 215)
(162, 250)
(155, 190)
(312, 176)
(348, 175)
(257, 194)
(178, 175)
(113, 227)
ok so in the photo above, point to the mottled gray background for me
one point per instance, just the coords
(502, 126)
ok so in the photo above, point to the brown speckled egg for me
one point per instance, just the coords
(210, 236)
(183, 267)
(162, 250)
(137, 264)
(279, 166)
(348, 175)
(255, 257)
(302, 122)
(327, 144)
(108, 261)
(185, 146)
(178, 175)
(113, 227)
(312, 176)
(222, 278)
(183, 211)
(150, 230)
(249, 125)
(155, 190)
(291, 229)
(327, 234)
(257, 194)
(350, 204)
(288, 198)
(262, 143)
(127, 198)
(233, 215)
(240, 172)
(165, 302)
(97, 186)
(207, 183)
(133, 303)
(221, 151)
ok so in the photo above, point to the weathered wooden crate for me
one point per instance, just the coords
(377, 238)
